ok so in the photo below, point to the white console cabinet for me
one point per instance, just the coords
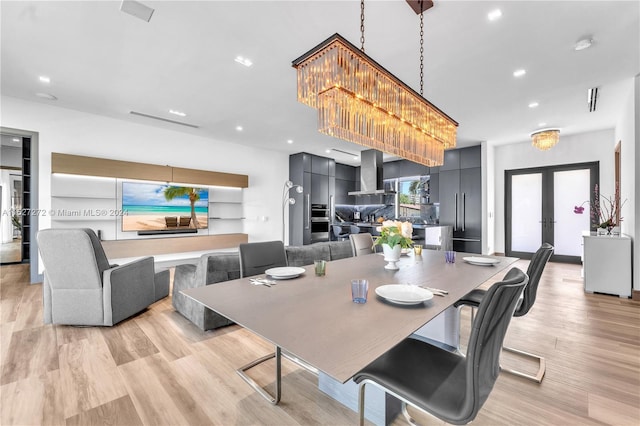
(607, 264)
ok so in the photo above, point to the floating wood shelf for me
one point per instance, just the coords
(92, 166)
(118, 249)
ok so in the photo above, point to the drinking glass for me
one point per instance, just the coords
(450, 256)
(417, 249)
(359, 290)
(321, 267)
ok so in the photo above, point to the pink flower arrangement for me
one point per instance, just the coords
(604, 213)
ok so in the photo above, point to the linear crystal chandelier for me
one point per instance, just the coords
(360, 101)
(545, 139)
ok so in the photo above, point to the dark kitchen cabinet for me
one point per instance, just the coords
(434, 188)
(320, 165)
(471, 203)
(403, 168)
(319, 189)
(460, 197)
(451, 160)
(343, 187)
(317, 177)
(346, 178)
(449, 191)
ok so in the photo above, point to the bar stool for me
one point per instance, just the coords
(338, 234)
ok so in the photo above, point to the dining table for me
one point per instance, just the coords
(312, 319)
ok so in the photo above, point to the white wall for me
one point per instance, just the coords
(628, 133)
(579, 148)
(73, 132)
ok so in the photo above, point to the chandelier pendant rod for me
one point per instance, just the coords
(422, 54)
(362, 25)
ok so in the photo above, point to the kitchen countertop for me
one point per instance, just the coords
(371, 225)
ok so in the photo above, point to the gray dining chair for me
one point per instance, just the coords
(446, 384)
(361, 244)
(256, 258)
(534, 271)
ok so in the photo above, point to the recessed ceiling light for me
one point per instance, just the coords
(495, 14)
(328, 151)
(519, 73)
(15, 140)
(46, 96)
(179, 113)
(533, 104)
(137, 9)
(44, 79)
(244, 61)
(289, 141)
(582, 44)
(355, 157)
(542, 124)
(239, 128)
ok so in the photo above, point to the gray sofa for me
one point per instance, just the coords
(213, 268)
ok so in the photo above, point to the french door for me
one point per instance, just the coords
(540, 208)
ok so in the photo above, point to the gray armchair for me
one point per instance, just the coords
(81, 288)
(211, 268)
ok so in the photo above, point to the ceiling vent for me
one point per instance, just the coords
(592, 98)
(166, 120)
(137, 9)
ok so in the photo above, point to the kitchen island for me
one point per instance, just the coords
(434, 237)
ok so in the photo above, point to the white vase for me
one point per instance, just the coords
(391, 255)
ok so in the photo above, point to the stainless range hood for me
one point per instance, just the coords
(371, 173)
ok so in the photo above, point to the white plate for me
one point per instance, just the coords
(482, 261)
(405, 252)
(285, 272)
(404, 294)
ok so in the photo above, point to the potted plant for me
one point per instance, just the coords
(394, 236)
(604, 213)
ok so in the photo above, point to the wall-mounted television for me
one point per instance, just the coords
(150, 208)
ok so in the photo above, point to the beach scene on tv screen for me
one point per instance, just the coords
(150, 207)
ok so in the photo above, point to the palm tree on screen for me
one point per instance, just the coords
(171, 192)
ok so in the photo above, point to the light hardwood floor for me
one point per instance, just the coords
(157, 368)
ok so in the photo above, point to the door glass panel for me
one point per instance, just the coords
(526, 212)
(570, 189)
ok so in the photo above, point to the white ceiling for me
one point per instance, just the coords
(103, 61)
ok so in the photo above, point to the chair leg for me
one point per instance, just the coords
(361, 403)
(542, 366)
(407, 416)
(278, 356)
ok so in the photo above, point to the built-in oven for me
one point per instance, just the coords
(319, 223)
